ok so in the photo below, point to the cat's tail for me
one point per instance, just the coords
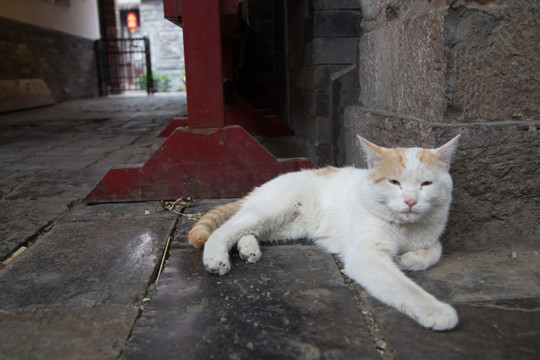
(212, 220)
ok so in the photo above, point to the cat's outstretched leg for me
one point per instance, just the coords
(381, 277)
(420, 259)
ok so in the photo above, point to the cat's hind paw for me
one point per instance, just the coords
(248, 248)
(440, 318)
(217, 264)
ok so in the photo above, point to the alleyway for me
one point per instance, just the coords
(83, 283)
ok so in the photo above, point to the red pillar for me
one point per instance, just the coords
(203, 59)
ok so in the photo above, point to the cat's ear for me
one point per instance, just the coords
(446, 151)
(372, 152)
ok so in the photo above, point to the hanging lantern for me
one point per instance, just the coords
(132, 21)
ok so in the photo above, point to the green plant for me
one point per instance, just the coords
(161, 81)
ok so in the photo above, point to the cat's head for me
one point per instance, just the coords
(410, 184)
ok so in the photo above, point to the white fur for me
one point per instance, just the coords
(366, 224)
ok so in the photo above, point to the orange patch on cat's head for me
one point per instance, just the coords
(429, 158)
(327, 171)
(390, 164)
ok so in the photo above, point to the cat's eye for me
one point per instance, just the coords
(394, 182)
(426, 183)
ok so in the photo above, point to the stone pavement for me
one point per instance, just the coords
(87, 285)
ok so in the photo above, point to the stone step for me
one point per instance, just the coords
(291, 305)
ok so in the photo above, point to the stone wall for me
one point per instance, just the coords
(429, 70)
(461, 63)
(65, 62)
(322, 46)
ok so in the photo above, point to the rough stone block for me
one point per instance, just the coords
(334, 4)
(379, 13)
(24, 94)
(314, 78)
(495, 171)
(333, 24)
(493, 57)
(333, 51)
(401, 67)
(457, 63)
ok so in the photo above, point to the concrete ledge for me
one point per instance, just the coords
(495, 172)
(24, 94)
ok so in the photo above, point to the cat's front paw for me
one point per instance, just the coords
(217, 263)
(412, 261)
(420, 259)
(438, 317)
(248, 248)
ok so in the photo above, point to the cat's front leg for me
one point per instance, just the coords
(420, 259)
(216, 252)
(248, 248)
(216, 260)
(379, 275)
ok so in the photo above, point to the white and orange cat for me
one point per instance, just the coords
(379, 221)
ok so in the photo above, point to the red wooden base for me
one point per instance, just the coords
(197, 162)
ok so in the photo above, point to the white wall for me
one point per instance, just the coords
(81, 18)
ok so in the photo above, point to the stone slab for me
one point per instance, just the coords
(481, 276)
(84, 264)
(291, 305)
(497, 299)
(66, 333)
(487, 330)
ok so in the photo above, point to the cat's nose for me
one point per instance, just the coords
(410, 202)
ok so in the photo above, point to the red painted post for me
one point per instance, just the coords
(203, 59)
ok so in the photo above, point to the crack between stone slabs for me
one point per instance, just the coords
(28, 242)
(162, 261)
(499, 305)
(152, 283)
(32, 239)
(381, 344)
